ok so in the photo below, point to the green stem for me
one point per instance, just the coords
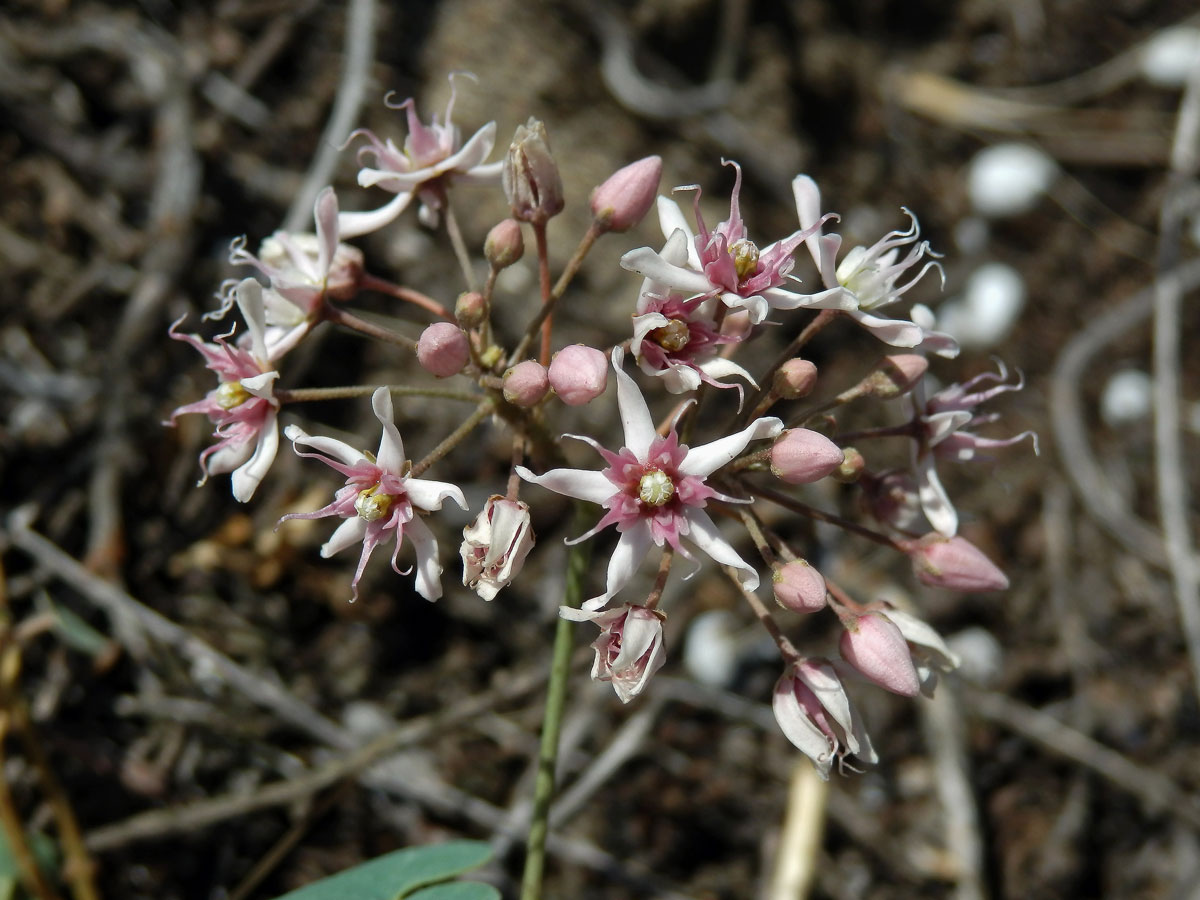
(578, 558)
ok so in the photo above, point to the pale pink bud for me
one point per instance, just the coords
(737, 325)
(530, 175)
(795, 379)
(495, 545)
(851, 467)
(801, 456)
(629, 649)
(504, 244)
(578, 374)
(897, 375)
(526, 383)
(442, 349)
(799, 587)
(876, 648)
(815, 713)
(471, 309)
(627, 195)
(954, 563)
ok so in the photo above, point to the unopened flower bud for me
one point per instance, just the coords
(442, 349)
(799, 587)
(876, 648)
(495, 545)
(627, 195)
(471, 309)
(801, 456)
(897, 374)
(851, 466)
(526, 383)
(954, 563)
(504, 244)
(530, 175)
(578, 374)
(794, 379)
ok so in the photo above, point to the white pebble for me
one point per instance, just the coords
(711, 651)
(1126, 398)
(1169, 57)
(989, 308)
(1009, 179)
(981, 655)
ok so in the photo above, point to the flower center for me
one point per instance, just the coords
(655, 487)
(745, 258)
(673, 336)
(372, 505)
(231, 394)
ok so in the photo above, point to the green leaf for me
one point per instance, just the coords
(45, 854)
(457, 890)
(398, 874)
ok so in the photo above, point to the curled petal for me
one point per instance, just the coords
(247, 477)
(582, 484)
(391, 448)
(702, 461)
(429, 569)
(631, 549)
(707, 537)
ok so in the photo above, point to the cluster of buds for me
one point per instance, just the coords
(667, 493)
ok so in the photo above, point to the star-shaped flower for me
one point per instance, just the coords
(654, 489)
(379, 500)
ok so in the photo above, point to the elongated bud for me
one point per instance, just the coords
(526, 383)
(801, 456)
(627, 195)
(799, 587)
(897, 375)
(876, 648)
(794, 379)
(578, 374)
(530, 175)
(471, 309)
(442, 349)
(954, 563)
(504, 244)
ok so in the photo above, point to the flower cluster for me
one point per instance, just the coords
(666, 493)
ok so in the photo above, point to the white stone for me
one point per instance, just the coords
(988, 309)
(1127, 398)
(711, 651)
(1169, 57)
(1009, 179)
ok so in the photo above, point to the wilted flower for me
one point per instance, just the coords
(495, 545)
(725, 263)
(654, 489)
(243, 405)
(433, 157)
(630, 646)
(379, 501)
(530, 175)
(815, 713)
(871, 276)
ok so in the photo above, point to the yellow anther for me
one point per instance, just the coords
(673, 336)
(231, 394)
(745, 258)
(655, 488)
(372, 505)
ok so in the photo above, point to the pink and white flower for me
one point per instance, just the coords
(629, 649)
(871, 276)
(815, 713)
(432, 158)
(725, 263)
(654, 489)
(243, 405)
(941, 425)
(304, 270)
(379, 501)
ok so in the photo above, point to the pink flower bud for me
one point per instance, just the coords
(795, 379)
(954, 563)
(799, 587)
(801, 456)
(897, 375)
(526, 383)
(442, 349)
(625, 198)
(530, 175)
(495, 545)
(876, 648)
(578, 374)
(504, 244)
(471, 309)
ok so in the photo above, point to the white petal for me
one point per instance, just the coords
(649, 264)
(262, 386)
(353, 224)
(631, 549)
(798, 728)
(332, 447)
(707, 538)
(430, 494)
(228, 458)
(671, 220)
(249, 297)
(896, 332)
(349, 533)
(833, 298)
(429, 569)
(808, 208)
(247, 478)
(704, 460)
(718, 368)
(935, 502)
(325, 213)
(390, 457)
(582, 484)
(675, 250)
(635, 414)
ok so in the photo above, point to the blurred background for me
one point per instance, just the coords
(191, 686)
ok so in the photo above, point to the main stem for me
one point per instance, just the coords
(578, 558)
